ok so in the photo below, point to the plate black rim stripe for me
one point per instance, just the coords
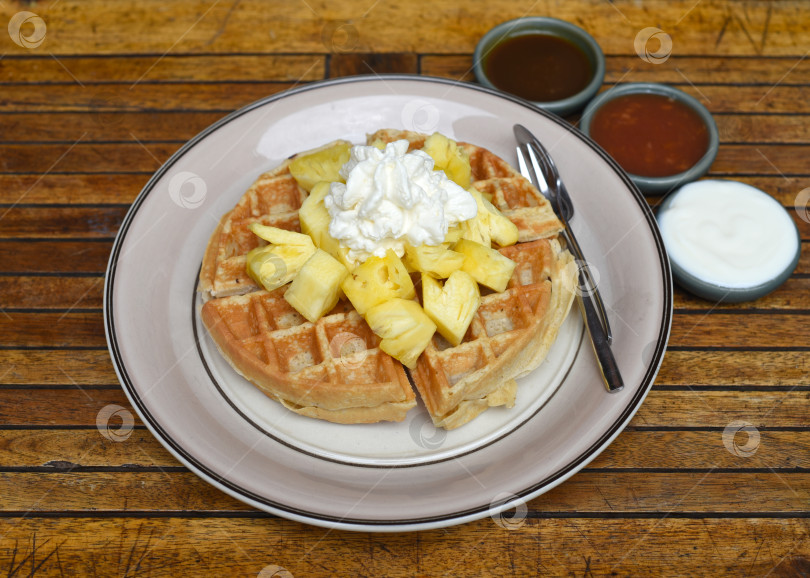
(193, 463)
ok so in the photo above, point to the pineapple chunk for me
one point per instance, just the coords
(435, 260)
(477, 229)
(448, 157)
(404, 327)
(316, 288)
(278, 236)
(315, 219)
(453, 306)
(378, 279)
(272, 266)
(321, 165)
(453, 234)
(486, 265)
(500, 228)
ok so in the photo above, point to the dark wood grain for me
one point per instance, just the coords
(116, 87)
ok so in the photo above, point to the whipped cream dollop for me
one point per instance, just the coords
(392, 197)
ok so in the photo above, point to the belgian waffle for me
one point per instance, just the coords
(331, 369)
(312, 369)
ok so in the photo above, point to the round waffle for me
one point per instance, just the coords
(333, 369)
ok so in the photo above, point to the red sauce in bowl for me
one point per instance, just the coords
(650, 135)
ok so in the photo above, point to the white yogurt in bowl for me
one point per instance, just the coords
(728, 241)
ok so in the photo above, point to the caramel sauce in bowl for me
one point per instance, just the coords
(554, 64)
(662, 137)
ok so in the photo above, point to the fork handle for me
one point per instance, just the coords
(589, 286)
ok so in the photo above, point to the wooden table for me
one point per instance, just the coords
(115, 87)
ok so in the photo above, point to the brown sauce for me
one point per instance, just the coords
(650, 135)
(538, 67)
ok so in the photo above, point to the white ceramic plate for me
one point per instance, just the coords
(380, 477)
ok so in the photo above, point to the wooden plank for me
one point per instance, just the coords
(69, 329)
(86, 292)
(112, 126)
(82, 256)
(730, 330)
(55, 223)
(181, 126)
(677, 69)
(55, 367)
(718, 409)
(661, 408)
(86, 157)
(171, 68)
(58, 407)
(66, 189)
(767, 159)
(553, 547)
(349, 64)
(794, 294)
(100, 100)
(52, 292)
(734, 368)
(188, 27)
(586, 492)
(103, 99)
(633, 449)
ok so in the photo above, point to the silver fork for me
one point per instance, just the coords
(536, 164)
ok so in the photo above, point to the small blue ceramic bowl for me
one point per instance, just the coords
(552, 27)
(660, 185)
(728, 241)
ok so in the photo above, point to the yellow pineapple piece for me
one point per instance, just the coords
(278, 236)
(486, 265)
(272, 266)
(435, 260)
(500, 228)
(321, 165)
(316, 288)
(404, 327)
(453, 306)
(477, 229)
(453, 234)
(449, 158)
(378, 279)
